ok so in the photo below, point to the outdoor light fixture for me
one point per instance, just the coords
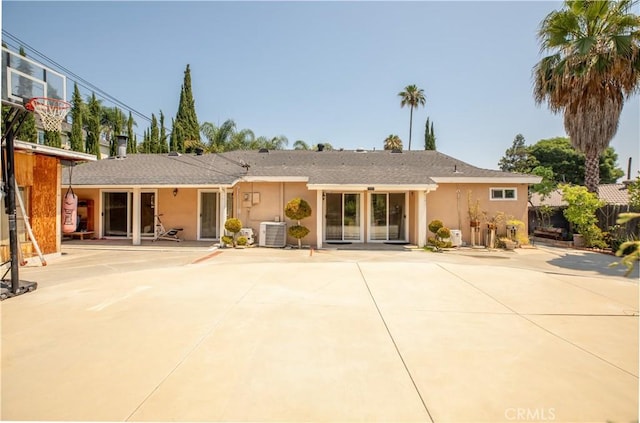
(175, 192)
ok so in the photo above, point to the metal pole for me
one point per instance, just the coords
(11, 213)
(10, 201)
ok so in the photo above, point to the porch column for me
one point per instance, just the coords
(223, 211)
(135, 221)
(319, 214)
(422, 218)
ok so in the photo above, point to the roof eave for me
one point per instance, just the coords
(487, 179)
(54, 151)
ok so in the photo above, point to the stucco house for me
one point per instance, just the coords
(357, 196)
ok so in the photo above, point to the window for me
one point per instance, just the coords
(503, 194)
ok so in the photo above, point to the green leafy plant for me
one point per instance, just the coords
(227, 240)
(441, 233)
(233, 225)
(242, 240)
(298, 209)
(298, 232)
(581, 212)
(629, 250)
(434, 225)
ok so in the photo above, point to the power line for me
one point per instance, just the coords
(74, 77)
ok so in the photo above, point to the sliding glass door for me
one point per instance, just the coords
(388, 217)
(342, 217)
(117, 212)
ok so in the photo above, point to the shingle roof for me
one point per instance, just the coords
(615, 194)
(326, 167)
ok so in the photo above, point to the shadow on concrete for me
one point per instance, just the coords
(592, 261)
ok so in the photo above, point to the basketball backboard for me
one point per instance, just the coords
(23, 78)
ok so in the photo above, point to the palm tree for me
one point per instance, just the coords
(413, 97)
(393, 142)
(218, 137)
(594, 64)
(300, 145)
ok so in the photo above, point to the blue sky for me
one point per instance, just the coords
(319, 71)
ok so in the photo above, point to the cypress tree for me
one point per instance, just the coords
(154, 138)
(429, 136)
(52, 139)
(93, 126)
(164, 148)
(76, 139)
(186, 117)
(131, 143)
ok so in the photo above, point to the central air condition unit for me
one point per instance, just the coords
(273, 234)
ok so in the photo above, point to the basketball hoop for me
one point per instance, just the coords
(51, 111)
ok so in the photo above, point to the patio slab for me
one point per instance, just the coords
(273, 335)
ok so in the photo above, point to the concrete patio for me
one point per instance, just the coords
(331, 335)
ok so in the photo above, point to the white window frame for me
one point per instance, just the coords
(504, 190)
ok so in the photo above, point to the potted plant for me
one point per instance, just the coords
(474, 211)
(298, 209)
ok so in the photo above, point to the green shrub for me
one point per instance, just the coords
(297, 209)
(227, 240)
(298, 231)
(233, 225)
(435, 225)
(443, 233)
(242, 240)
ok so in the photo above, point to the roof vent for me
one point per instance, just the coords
(320, 147)
(263, 150)
(174, 154)
(360, 150)
(396, 150)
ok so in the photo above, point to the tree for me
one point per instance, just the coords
(93, 128)
(429, 136)
(111, 120)
(52, 138)
(301, 145)
(393, 142)
(218, 137)
(77, 135)
(298, 209)
(413, 97)
(581, 212)
(163, 145)
(594, 64)
(568, 164)
(186, 118)
(517, 158)
(132, 142)
(276, 143)
(154, 135)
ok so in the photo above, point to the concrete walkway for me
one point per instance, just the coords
(288, 335)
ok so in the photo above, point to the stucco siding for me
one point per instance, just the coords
(449, 203)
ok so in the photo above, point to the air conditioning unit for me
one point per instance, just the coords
(273, 234)
(247, 233)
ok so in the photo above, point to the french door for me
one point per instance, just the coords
(388, 217)
(342, 217)
(117, 213)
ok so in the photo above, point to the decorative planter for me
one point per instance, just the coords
(578, 240)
